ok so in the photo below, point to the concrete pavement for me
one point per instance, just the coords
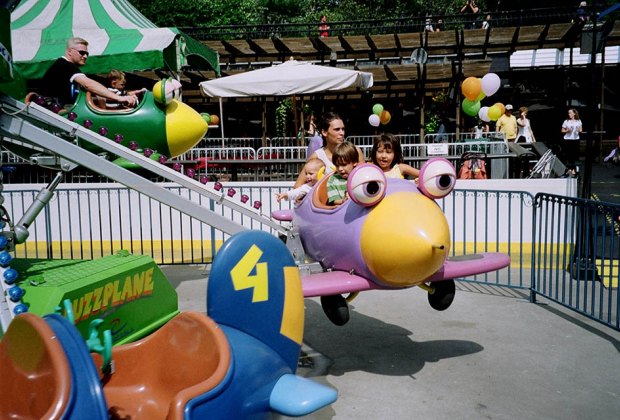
(491, 355)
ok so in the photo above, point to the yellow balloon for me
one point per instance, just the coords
(494, 113)
(471, 88)
(501, 107)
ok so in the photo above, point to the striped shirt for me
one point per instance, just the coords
(336, 188)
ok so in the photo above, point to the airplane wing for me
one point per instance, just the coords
(340, 282)
(334, 283)
(469, 265)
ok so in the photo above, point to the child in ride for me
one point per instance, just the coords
(345, 158)
(388, 155)
(311, 169)
(117, 81)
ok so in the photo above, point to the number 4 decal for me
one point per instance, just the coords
(242, 279)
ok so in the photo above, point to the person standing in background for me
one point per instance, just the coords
(486, 24)
(582, 14)
(470, 10)
(507, 124)
(571, 129)
(525, 133)
(315, 141)
(323, 27)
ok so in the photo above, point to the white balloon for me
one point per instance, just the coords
(374, 120)
(490, 84)
(484, 114)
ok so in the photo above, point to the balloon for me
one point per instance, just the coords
(494, 113)
(490, 84)
(471, 108)
(377, 109)
(385, 117)
(215, 120)
(483, 114)
(206, 117)
(481, 96)
(471, 88)
(501, 107)
(374, 120)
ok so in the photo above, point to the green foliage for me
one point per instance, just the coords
(282, 111)
(202, 13)
(432, 116)
(197, 13)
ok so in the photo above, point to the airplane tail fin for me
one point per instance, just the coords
(255, 287)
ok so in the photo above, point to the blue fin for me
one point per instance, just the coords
(296, 396)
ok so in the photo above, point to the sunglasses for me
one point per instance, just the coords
(82, 52)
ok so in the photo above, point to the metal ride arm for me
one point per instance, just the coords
(22, 123)
(19, 232)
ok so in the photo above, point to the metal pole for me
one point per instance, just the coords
(586, 186)
(222, 121)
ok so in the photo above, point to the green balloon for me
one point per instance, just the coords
(377, 109)
(471, 108)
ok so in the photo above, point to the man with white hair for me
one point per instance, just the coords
(582, 14)
(61, 78)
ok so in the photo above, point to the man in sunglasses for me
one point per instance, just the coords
(64, 77)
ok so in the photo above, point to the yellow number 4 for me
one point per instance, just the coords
(259, 281)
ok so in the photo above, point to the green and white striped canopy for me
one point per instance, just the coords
(119, 37)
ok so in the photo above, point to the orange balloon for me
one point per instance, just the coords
(471, 88)
(385, 117)
(501, 107)
(215, 120)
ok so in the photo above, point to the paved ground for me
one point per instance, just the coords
(491, 355)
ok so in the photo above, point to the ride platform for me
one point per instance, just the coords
(129, 292)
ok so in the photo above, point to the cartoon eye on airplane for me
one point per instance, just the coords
(390, 234)
(160, 124)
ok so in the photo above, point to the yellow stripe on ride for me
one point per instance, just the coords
(293, 311)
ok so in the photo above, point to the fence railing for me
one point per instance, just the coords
(383, 26)
(283, 163)
(576, 255)
(247, 159)
(92, 222)
(561, 248)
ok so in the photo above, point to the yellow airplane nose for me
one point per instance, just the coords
(184, 127)
(405, 239)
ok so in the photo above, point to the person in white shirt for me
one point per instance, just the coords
(525, 133)
(571, 129)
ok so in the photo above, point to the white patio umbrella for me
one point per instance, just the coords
(289, 78)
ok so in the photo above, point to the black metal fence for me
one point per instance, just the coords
(403, 24)
(576, 255)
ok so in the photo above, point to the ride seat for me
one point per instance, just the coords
(99, 104)
(35, 376)
(319, 198)
(155, 377)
